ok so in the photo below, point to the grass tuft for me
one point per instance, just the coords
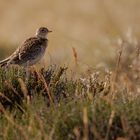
(49, 104)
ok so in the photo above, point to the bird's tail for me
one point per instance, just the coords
(4, 62)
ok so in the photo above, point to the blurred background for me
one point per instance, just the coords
(89, 26)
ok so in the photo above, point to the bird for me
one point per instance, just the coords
(30, 51)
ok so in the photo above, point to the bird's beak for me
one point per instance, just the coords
(49, 31)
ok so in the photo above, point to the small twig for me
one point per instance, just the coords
(46, 85)
(110, 124)
(118, 61)
(10, 86)
(5, 97)
(24, 90)
(75, 56)
(115, 76)
(42, 128)
(85, 121)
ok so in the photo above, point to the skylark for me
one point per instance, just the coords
(31, 51)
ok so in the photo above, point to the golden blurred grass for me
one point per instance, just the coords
(88, 26)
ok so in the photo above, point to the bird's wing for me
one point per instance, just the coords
(5, 60)
(28, 50)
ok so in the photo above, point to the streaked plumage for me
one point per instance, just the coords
(31, 51)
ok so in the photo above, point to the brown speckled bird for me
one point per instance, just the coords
(31, 51)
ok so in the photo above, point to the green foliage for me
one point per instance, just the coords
(27, 111)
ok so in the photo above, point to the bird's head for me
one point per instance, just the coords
(42, 32)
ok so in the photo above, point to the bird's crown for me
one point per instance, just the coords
(42, 32)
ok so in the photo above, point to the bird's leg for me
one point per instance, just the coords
(42, 62)
(18, 72)
(27, 73)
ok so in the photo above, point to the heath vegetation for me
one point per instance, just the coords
(51, 103)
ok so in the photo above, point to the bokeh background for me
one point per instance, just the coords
(89, 26)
